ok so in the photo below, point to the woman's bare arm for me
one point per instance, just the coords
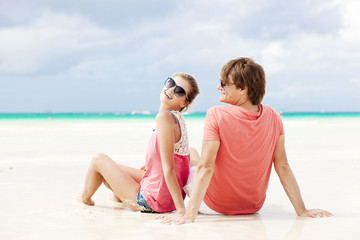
(165, 129)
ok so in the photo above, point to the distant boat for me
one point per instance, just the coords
(140, 112)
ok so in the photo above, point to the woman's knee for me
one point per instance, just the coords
(194, 156)
(98, 159)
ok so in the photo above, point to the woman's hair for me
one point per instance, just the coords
(194, 88)
(246, 74)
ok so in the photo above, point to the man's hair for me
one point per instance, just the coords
(246, 74)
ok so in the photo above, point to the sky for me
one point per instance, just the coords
(114, 56)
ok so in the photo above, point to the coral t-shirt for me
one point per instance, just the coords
(243, 164)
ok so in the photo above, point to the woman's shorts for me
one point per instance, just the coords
(143, 205)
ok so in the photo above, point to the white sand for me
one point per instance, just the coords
(43, 164)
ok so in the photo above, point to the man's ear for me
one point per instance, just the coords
(244, 90)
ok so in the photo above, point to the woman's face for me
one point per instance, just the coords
(167, 95)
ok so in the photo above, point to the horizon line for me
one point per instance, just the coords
(150, 112)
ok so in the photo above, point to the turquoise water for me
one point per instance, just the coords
(199, 115)
(85, 116)
(290, 115)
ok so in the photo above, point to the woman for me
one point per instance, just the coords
(240, 143)
(160, 188)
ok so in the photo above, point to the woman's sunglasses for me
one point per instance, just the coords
(178, 91)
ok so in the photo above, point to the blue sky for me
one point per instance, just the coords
(113, 56)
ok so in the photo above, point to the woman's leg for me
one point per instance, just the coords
(194, 157)
(136, 174)
(103, 168)
(194, 160)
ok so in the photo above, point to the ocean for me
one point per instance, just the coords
(130, 116)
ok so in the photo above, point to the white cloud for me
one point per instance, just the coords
(301, 43)
(294, 91)
(355, 81)
(309, 57)
(274, 57)
(50, 38)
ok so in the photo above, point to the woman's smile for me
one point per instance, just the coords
(167, 95)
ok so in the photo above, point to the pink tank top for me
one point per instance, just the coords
(153, 186)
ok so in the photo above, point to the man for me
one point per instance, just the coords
(240, 143)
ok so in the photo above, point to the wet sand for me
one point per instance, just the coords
(43, 166)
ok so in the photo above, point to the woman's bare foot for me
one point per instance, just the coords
(83, 199)
(115, 198)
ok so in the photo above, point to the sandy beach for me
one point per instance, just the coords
(43, 165)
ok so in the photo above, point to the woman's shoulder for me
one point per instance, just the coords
(168, 117)
(163, 116)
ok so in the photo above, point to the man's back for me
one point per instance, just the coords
(243, 164)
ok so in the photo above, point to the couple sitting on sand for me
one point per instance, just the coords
(240, 143)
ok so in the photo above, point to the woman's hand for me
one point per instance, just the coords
(174, 218)
(143, 168)
(315, 213)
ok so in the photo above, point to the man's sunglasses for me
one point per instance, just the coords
(178, 91)
(225, 84)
